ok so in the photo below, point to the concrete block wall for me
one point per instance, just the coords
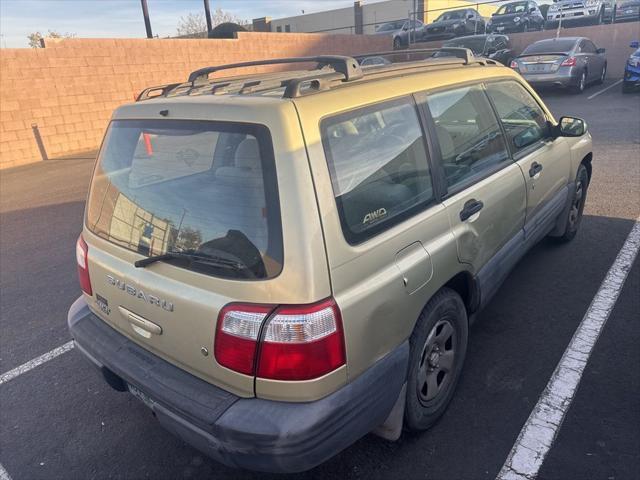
(70, 88)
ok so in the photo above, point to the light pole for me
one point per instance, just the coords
(207, 14)
(147, 22)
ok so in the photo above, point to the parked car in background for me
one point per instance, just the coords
(631, 79)
(572, 62)
(455, 23)
(516, 17)
(627, 10)
(374, 60)
(580, 11)
(402, 30)
(495, 47)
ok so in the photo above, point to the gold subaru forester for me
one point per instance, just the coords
(280, 263)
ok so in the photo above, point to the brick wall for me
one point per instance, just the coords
(70, 88)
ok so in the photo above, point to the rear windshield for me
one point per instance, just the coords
(206, 190)
(455, 15)
(510, 8)
(550, 46)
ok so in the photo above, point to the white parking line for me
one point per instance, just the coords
(605, 89)
(4, 475)
(542, 426)
(31, 364)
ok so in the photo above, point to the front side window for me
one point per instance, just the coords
(521, 116)
(470, 139)
(378, 166)
(206, 191)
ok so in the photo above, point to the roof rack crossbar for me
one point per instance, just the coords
(162, 89)
(463, 53)
(348, 66)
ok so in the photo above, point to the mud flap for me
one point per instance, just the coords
(392, 426)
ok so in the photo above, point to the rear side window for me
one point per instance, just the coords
(204, 189)
(550, 46)
(521, 116)
(378, 166)
(469, 136)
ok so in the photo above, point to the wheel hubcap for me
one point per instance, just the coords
(437, 361)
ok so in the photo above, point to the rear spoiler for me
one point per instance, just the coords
(540, 54)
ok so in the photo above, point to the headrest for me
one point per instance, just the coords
(248, 154)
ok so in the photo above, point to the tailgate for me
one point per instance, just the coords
(208, 194)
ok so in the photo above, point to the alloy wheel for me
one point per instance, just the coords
(583, 82)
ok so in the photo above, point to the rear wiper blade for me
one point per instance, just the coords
(191, 258)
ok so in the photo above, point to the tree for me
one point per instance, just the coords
(195, 24)
(35, 38)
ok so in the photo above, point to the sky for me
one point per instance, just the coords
(123, 18)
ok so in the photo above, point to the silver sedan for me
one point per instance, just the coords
(572, 62)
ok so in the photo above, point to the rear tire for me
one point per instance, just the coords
(582, 83)
(438, 346)
(603, 74)
(579, 197)
(397, 43)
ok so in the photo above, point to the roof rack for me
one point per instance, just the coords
(331, 71)
(348, 66)
(463, 53)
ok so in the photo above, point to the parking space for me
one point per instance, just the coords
(60, 420)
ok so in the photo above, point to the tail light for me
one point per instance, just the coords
(296, 342)
(237, 336)
(569, 62)
(82, 258)
(514, 64)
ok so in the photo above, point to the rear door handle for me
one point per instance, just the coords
(471, 207)
(535, 169)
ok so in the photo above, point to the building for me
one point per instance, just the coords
(364, 17)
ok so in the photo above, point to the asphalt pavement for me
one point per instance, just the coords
(61, 421)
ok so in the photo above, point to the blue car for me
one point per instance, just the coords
(631, 80)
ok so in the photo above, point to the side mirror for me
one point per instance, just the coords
(532, 10)
(601, 50)
(571, 127)
(635, 44)
(405, 28)
(470, 15)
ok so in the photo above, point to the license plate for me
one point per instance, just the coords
(140, 395)
(500, 29)
(628, 11)
(536, 68)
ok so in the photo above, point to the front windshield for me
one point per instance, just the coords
(476, 45)
(387, 27)
(455, 15)
(511, 8)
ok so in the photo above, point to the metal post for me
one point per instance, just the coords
(147, 22)
(39, 142)
(207, 14)
(559, 22)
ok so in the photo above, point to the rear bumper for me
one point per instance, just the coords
(564, 77)
(249, 433)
